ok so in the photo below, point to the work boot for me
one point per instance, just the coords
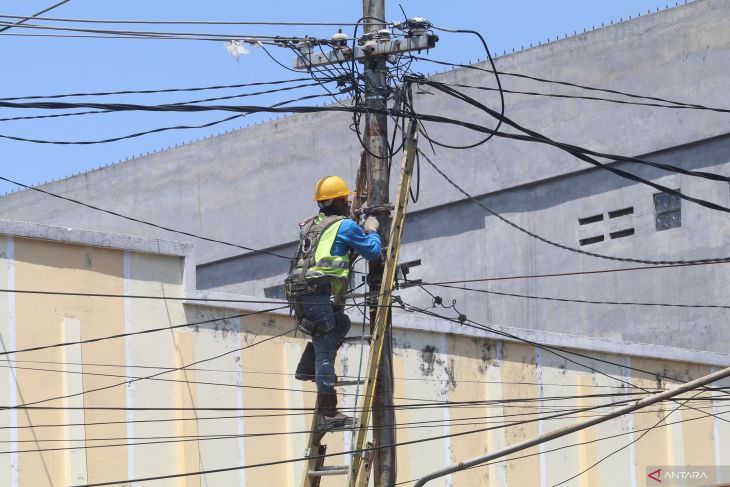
(305, 368)
(328, 417)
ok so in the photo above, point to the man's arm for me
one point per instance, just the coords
(366, 244)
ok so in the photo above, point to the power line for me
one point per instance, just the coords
(186, 22)
(189, 102)
(202, 35)
(458, 379)
(134, 333)
(153, 131)
(294, 460)
(552, 349)
(677, 104)
(185, 438)
(562, 246)
(530, 135)
(582, 443)
(579, 152)
(579, 97)
(583, 301)
(101, 388)
(621, 448)
(143, 222)
(33, 16)
(576, 273)
(156, 91)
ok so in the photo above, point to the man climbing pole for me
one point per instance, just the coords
(316, 285)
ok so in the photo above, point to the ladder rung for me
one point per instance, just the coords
(322, 471)
(343, 383)
(356, 339)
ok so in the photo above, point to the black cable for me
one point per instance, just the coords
(141, 332)
(552, 349)
(562, 246)
(499, 88)
(144, 222)
(294, 460)
(575, 273)
(182, 22)
(677, 104)
(152, 131)
(219, 37)
(584, 301)
(623, 447)
(578, 97)
(580, 152)
(582, 443)
(22, 20)
(131, 381)
(164, 90)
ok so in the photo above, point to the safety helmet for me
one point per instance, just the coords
(330, 187)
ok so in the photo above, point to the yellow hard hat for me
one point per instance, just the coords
(330, 187)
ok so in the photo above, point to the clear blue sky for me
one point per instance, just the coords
(41, 66)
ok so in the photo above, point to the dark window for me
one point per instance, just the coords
(622, 233)
(668, 210)
(590, 219)
(591, 240)
(621, 212)
(274, 292)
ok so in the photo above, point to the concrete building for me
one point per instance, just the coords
(219, 392)
(221, 188)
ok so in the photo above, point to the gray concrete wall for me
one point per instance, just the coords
(251, 186)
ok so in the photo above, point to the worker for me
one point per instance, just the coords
(316, 284)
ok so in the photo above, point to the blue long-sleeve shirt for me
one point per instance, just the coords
(351, 236)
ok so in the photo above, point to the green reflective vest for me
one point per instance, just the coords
(322, 264)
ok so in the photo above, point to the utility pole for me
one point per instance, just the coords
(378, 178)
(372, 50)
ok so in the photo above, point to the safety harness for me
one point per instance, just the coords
(314, 269)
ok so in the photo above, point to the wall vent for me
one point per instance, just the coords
(590, 219)
(275, 292)
(591, 240)
(621, 212)
(622, 233)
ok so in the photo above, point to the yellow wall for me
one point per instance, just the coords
(226, 405)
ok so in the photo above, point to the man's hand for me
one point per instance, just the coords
(371, 224)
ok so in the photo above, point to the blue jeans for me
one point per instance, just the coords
(334, 325)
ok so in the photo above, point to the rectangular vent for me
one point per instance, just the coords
(622, 212)
(590, 219)
(591, 240)
(622, 233)
(275, 292)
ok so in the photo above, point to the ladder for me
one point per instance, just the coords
(358, 472)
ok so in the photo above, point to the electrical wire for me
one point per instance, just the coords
(151, 91)
(185, 22)
(583, 301)
(157, 374)
(463, 320)
(294, 460)
(22, 20)
(582, 443)
(562, 246)
(583, 153)
(145, 222)
(141, 332)
(676, 104)
(157, 130)
(499, 89)
(202, 35)
(576, 273)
